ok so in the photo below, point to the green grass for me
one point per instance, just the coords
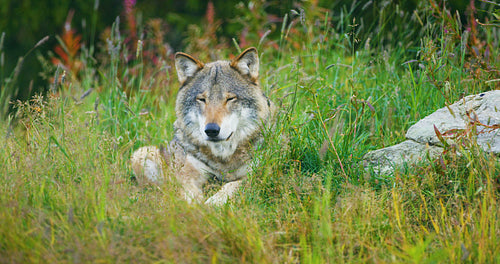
(67, 193)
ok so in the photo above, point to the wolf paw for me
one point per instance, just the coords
(217, 200)
(227, 191)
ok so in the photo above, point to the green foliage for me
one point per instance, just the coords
(67, 193)
(379, 23)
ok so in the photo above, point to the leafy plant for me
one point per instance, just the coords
(68, 49)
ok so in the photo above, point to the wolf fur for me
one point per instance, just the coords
(221, 111)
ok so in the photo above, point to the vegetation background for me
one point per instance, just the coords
(83, 84)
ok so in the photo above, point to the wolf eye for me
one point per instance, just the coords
(200, 99)
(232, 98)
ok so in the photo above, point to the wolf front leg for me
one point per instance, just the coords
(191, 180)
(147, 165)
(226, 192)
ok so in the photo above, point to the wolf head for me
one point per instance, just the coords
(220, 104)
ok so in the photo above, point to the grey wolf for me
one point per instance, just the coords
(221, 112)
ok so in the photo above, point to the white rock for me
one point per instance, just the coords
(384, 161)
(484, 107)
(422, 140)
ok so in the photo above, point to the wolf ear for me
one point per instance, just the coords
(186, 66)
(247, 63)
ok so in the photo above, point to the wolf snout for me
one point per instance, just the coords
(212, 130)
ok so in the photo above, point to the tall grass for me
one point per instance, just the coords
(67, 193)
(8, 84)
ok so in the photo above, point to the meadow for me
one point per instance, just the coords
(67, 192)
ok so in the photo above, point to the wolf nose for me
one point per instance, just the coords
(212, 130)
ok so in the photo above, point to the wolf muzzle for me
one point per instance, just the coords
(212, 130)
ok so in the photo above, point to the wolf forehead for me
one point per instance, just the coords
(215, 81)
(219, 76)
